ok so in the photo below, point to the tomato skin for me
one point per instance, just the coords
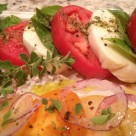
(132, 29)
(67, 39)
(11, 44)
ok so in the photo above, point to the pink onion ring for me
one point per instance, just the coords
(131, 98)
(21, 110)
(101, 85)
(24, 105)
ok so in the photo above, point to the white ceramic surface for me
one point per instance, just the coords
(29, 5)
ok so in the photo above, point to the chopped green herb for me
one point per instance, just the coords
(106, 115)
(44, 101)
(78, 108)
(100, 119)
(55, 105)
(4, 104)
(7, 118)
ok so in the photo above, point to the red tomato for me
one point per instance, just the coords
(11, 44)
(69, 35)
(132, 29)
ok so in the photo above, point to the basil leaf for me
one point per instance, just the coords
(3, 7)
(122, 16)
(44, 34)
(51, 10)
(9, 21)
(42, 18)
(121, 46)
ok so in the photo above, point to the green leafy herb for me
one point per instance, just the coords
(4, 104)
(78, 108)
(9, 21)
(7, 118)
(44, 34)
(55, 105)
(44, 101)
(3, 7)
(121, 46)
(8, 72)
(41, 21)
(106, 115)
(122, 16)
(50, 10)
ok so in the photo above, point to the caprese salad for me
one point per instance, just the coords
(55, 44)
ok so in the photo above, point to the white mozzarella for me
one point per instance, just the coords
(33, 43)
(104, 25)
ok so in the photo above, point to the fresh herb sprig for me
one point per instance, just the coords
(34, 66)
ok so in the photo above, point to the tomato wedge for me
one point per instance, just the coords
(11, 44)
(69, 33)
(132, 29)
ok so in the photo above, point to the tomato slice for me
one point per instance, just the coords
(50, 124)
(69, 35)
(11, 44)
(132, 29)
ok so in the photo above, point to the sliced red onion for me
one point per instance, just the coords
(97, 85)
(131, 98)
(21, 110)
(10, 128)
(24, 105)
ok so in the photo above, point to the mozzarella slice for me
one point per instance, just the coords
(104, 25)
(33, 43)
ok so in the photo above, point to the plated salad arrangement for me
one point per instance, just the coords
(54, 44)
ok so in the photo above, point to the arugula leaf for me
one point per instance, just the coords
(3, 7)
(51, 10)
(121, 46)
(106, 115)
(9, 21)
(122, 16)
